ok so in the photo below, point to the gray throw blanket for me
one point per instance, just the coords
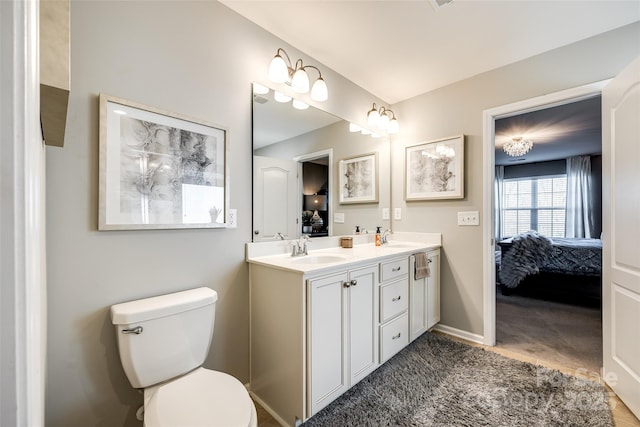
(527, 254)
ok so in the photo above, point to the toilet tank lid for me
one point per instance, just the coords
(141, 310)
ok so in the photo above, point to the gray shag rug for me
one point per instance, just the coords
(436, 381)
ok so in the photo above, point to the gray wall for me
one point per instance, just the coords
(193, 58)
(457, 109)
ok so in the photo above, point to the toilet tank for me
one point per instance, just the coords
(163, 337)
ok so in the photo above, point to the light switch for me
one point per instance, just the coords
(338, 218)
(385, 213)
(397, 213)
(468, 218)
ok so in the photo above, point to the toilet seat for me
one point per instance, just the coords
(200, 398)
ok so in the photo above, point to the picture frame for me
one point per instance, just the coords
(435, 169)
(358, 179)
(159, 170)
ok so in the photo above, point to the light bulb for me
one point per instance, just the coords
(260, 89)
(319, 90)
(278, 70)
(300, 81)
(299, 105)
(383, 122)
(373, 117)
(280, 97)
(394, 126)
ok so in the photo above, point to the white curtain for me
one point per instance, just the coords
(498, 194)
(579, 217)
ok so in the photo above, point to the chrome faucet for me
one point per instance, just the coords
(299, 248)
(384, 238)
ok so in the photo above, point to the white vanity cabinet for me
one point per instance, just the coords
(425, 296)
(343, 339)
(320, 323)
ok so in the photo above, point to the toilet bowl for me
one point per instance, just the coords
(163, 342)
(200, 398)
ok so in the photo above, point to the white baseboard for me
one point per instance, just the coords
(479, 339)
(265, 406)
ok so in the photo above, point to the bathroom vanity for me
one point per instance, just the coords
(322, 322)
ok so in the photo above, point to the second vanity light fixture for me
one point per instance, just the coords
(383, 118)
(281, 71)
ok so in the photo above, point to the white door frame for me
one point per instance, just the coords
(22, 221)
(488, 120)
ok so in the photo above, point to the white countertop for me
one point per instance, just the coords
(336, 257)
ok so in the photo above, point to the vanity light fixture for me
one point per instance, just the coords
(354, 127)
(299, 105)
(259, 89)
(281, 71)
(383, 118)
(518, 146)
(281, 97)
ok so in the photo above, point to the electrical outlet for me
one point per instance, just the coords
(385, 213)
(397, 213)
(468, 218)
(232, 218)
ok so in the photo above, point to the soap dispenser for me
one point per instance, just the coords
(377, 236)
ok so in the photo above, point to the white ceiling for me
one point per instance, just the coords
(399, 49)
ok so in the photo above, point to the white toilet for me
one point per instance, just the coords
(163, 342)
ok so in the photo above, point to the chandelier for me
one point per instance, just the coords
(518, 146)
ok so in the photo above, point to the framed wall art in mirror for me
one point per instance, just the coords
(358, 179)
(435, 169)
(159, 170)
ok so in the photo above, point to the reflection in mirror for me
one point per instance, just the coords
(295, 173)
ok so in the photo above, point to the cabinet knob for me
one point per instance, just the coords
(345, 284)
(395, 337)
(396, 298)
(396, 269)
(354, 282)
(430, 260)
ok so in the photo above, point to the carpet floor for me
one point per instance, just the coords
(436, 381)
(564, 334)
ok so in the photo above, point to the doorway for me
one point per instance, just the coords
(553, 315)
(489, 221)
(315, 186)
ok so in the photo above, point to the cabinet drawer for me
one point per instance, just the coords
(393, 269)
(394, 299)
(394, 336)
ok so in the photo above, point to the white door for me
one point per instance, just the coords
(328, 370)
(275, 199)
(362, 321)
(621, 238)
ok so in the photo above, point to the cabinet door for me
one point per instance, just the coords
(327, 340)
(363, 319)
(433, 290)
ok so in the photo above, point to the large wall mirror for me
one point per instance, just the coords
(308, 170)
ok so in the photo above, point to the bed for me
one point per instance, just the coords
(563, 267)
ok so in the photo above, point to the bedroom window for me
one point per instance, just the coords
(534, 204)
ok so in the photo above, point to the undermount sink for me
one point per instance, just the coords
(319, 259)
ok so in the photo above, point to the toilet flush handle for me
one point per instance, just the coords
(137, 330)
